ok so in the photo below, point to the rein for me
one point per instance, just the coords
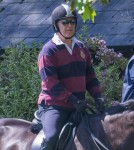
(95, 139)
(70, 131)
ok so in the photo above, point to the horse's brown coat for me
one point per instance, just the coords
(115, 131)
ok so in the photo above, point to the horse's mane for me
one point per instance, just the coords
(121, 107)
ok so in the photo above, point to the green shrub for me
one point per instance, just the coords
(109, 66)
(19, 82)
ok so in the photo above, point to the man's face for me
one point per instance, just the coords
(67, 26)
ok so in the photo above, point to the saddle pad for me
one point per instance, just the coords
(38, 140)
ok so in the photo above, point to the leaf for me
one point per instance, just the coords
(89, 13)
(78, 5)
(104, 2)
(85, 8)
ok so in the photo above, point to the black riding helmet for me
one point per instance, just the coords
(63, 11)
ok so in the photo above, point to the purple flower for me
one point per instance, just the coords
(104, 73)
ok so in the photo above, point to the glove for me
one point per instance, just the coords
(100, 105)
(80, 105)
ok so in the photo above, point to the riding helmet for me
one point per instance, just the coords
(61, 12)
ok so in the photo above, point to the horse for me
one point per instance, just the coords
(113, 131)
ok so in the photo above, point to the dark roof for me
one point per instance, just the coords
(30, 20)
(27, 20)
(115, 22)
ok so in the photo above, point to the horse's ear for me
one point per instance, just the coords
(129, 105)
(115, 109)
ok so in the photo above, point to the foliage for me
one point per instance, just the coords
(85, 8)
(109, 66)
(109, 70)
(19, 82)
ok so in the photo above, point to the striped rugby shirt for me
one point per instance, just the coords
(65, 74)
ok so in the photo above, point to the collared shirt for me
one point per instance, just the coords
(58, 41)
(65, 78)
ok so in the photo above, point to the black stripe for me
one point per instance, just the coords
(74, 69)
(48, 71)
(92, 83)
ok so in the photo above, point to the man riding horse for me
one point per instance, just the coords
(66, 71)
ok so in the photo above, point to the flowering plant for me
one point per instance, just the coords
(109, 66)
(110, 70)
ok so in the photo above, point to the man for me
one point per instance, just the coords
(128, 83)
(66, 73)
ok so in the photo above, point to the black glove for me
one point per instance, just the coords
(100, 105)
(80, 105)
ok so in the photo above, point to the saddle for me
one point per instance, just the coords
(67, 131)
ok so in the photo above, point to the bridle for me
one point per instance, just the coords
(96, 141)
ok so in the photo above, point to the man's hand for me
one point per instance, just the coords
(80, 105)
(100, 105)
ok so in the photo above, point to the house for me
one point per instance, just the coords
(30, 21)
(115, 22)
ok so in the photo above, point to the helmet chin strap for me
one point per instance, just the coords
(65, 36)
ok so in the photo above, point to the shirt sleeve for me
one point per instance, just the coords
(92, 83)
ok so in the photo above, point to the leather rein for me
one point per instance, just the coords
(96, 141)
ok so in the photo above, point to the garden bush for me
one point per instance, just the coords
(19, 82)
(110, 67)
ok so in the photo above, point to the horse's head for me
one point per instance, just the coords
(129, 105)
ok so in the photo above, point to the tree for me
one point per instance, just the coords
(85, 8)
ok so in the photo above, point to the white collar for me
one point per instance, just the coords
(58, 41)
